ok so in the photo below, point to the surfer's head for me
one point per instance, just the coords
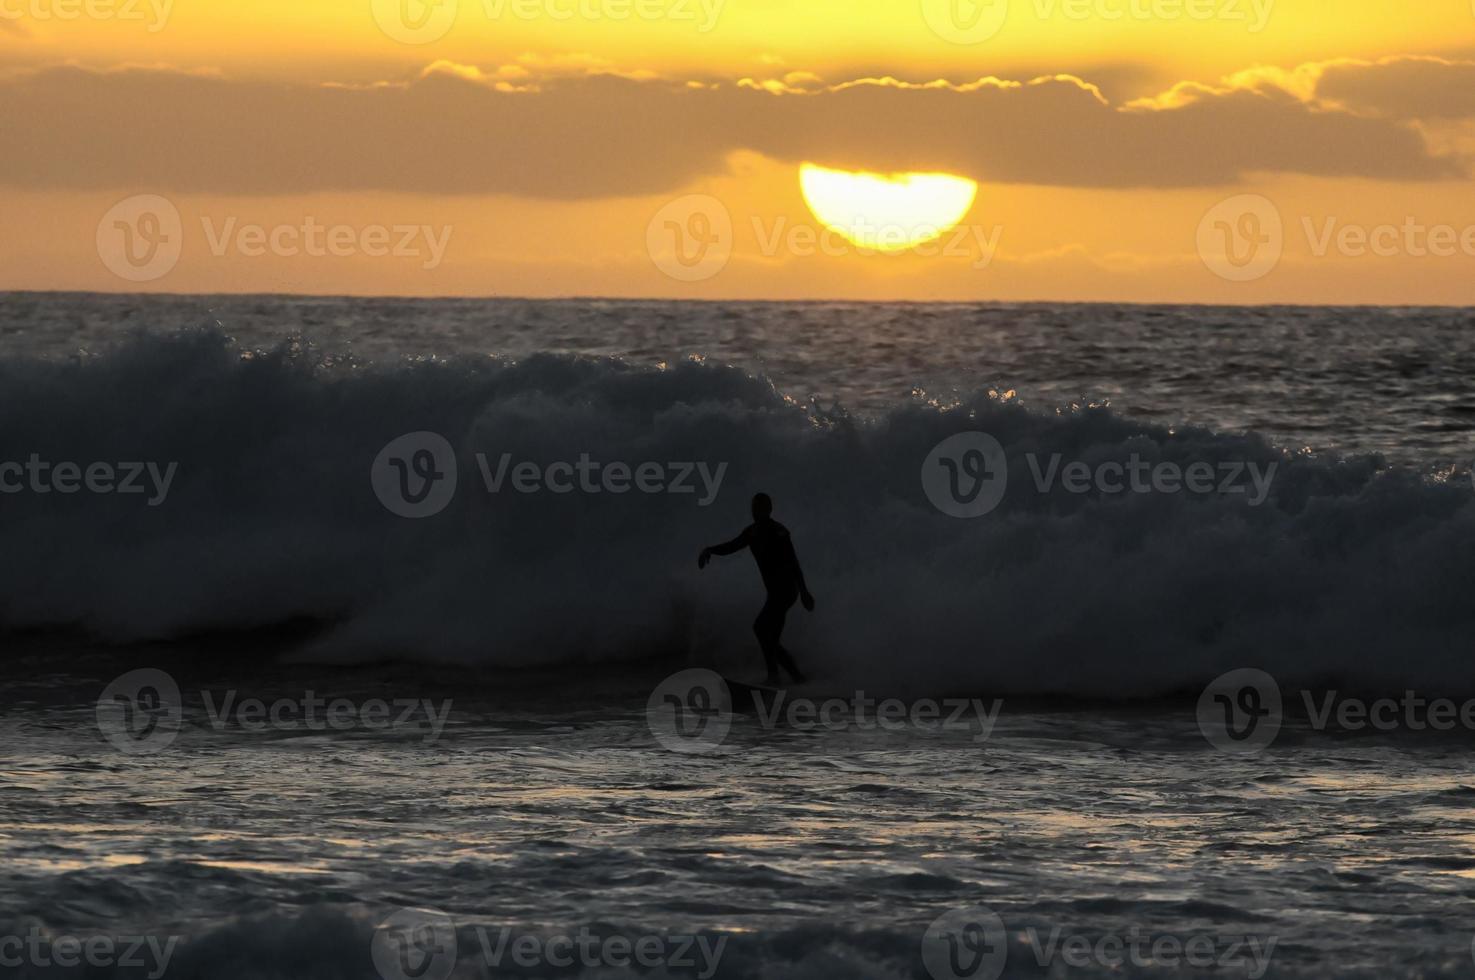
(762, 506)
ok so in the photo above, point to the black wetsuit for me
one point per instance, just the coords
(773, 550)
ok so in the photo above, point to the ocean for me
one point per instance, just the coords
(365, 638)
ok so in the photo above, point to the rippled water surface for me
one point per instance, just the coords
(545, 806)
(1394, 381)
(823, 852)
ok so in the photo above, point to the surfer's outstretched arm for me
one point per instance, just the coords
(726, 548)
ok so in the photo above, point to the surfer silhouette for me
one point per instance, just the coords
(773, 550)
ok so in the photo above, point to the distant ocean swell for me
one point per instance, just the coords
(1348, 574)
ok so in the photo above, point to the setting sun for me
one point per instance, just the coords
(888, 213)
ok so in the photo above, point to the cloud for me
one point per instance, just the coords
(1402, 88)
(578, 129)
(1405, 87)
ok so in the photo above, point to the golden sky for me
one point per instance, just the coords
(1237, 151)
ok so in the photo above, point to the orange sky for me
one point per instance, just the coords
(1238, 151)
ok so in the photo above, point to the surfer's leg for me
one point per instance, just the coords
(777, 610)
(767, 627)
(787, 661)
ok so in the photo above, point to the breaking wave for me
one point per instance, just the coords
(1347, 573)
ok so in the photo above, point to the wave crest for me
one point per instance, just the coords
(1349, 573)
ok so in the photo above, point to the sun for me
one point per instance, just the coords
(886, 212)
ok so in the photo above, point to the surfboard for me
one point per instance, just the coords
(750, 695)
(747, 695)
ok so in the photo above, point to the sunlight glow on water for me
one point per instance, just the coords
(1090, 819)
